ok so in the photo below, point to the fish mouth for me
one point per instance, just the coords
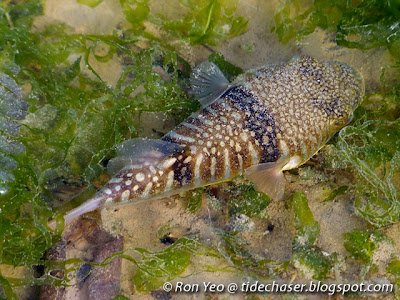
(359, 78)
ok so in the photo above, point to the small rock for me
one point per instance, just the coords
(240, 223)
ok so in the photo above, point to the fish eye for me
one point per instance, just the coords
(341, 122)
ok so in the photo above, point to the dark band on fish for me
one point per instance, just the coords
(258, 120)
(183, 172)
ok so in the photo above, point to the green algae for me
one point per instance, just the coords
(237, 251)
(394, 269)
(120, 297)
(362, 243)
(246, 200)
(368, 149)
(371, 146)
(336, 192)
(12, 109)
(81, 127)
(308, 228)
(155, 268)
(209, 22)
(195, 200)
(306, 258)
(90, 3)
(365, 246)
(204, 22)
(229, 70)
(313, 262)
(361, 24)
(75, 119)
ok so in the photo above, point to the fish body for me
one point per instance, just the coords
(268, 120)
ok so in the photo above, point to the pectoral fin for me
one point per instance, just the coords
(268, 178)
(141, 152)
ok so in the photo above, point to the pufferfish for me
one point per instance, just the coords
(268, 120)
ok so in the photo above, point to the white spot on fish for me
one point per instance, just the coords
(227, 164)
(253, 153)
(125, 195)
(177, 136)
(183, 171)
(168, 163)
(139, 177)
(170, 181)
(240, 159)
(199, 159)
(238, 148)
(236, 116)
(130, 167)
(147, 190)
(116, 180)
(107, 191)
(191, 126)
(204, 120)
(284, 148)
(209, 109)
(193, 149)
(212, 167)
(128, 182)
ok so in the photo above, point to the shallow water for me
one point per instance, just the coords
(143, 225)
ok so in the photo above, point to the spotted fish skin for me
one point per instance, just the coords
(309, 101)
(218, 143)
(270, 118)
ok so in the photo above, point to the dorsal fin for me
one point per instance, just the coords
(208, 83)
(140, 152)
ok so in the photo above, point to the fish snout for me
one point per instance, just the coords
(353, 82)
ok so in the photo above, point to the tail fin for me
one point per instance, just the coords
(131, 153)
(88, 206)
